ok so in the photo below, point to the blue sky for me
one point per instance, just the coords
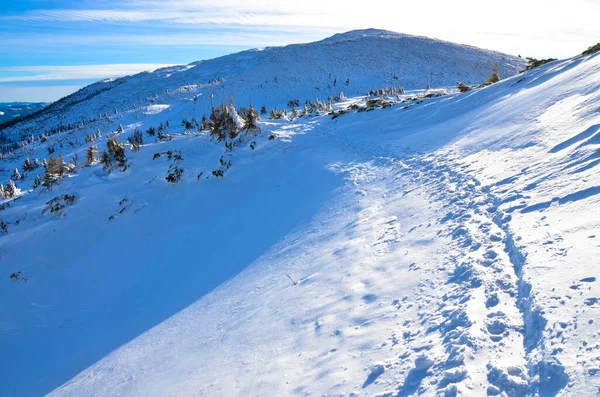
(53, 47)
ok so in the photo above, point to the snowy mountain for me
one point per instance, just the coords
(425, 243)
(353, 63)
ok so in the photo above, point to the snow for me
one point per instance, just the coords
(155, 109)
(443, 247)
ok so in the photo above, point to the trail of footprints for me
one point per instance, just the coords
(470, 305)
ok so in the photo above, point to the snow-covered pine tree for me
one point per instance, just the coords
(251, 119)
(116, 152)
(11, 189)
(90, 155)
(62, 165)
(28, 165)
(136, 139)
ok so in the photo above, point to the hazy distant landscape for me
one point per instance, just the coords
(11, 110)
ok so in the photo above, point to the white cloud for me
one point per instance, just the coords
(44, 73)
(533, 27)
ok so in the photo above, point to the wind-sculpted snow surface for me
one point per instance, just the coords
(443, 245)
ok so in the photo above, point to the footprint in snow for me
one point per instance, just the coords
(376, 372)
(369, 298)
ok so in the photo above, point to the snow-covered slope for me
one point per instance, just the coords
(445, 245)
(353, 63)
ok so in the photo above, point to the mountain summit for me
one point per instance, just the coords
(353, 63)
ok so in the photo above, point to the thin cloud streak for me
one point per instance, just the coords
(167, 39)
(46, 73)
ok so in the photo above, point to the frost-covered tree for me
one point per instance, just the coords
(37, 182)
(116, 152)
(339, 97)
(51, 165)
(251, 119)
(224, 122)
(136, 139)
(11, 189)
(62, 165)
(120, 129)
(90, 154)
(16, 175)
(28, 165)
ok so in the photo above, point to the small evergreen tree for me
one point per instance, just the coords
(11, 189)
(105, 160)
(120, 129)
(90, 155)
(52, 166)
(222, 122)
(28, 165)
(16, 175)
(251, 119)
(495, 76)
(462, 87)
(116, 152)
(37, 182)
(136, 139)
(62, 165)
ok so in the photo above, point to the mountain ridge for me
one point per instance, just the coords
(354, 63)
